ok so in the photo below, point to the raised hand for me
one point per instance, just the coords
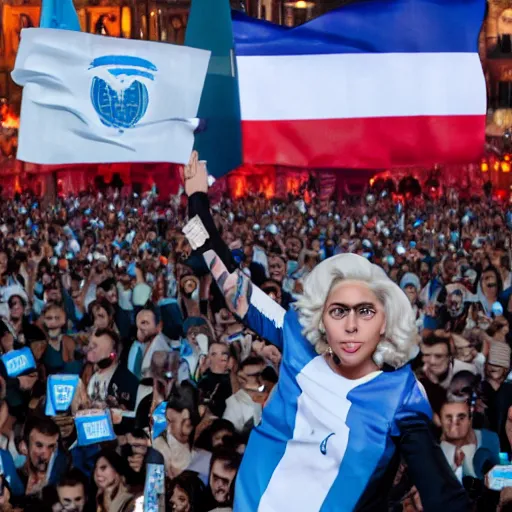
(195, 175)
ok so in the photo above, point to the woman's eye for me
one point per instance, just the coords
(366, 312)
(338, 312)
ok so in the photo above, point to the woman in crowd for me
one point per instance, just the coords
(345, 347)
(110, 471)
(186, 493)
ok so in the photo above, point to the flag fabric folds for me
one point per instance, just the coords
(94, 99)
(369, 85)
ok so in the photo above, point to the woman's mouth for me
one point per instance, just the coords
(351, 347)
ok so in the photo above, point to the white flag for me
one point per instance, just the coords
(94, 99)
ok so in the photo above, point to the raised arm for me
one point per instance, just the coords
(195, 177)
(253, 306)
(255, 309)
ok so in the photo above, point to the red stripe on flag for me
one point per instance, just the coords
(371, 143)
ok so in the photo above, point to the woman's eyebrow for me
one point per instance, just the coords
(352, 306)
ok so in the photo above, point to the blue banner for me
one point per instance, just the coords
(60, 391)
(94, 428)
(18, 361)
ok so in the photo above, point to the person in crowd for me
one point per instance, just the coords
(111, 383)
(439, 365)
(221, 483)
(471, 453)
(350, 322)
(186, 493)
(244, 408)
(110, 473)
(45, 463)
(59, 356)
(216, 382)
(72, 490)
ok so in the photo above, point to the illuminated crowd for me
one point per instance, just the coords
(104, 289)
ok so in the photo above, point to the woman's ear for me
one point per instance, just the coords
(383, 328)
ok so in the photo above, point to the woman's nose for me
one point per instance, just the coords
(351, 324)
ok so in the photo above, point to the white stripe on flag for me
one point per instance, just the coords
(343, 86)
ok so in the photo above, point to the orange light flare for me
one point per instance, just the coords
(8, 119)
(17, 185)
(240, 187)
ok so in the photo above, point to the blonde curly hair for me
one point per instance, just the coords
(399, 343)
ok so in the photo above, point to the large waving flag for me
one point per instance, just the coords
(94, 99)
(209, 28)
(370, 85)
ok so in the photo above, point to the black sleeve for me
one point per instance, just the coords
(199, 204)
(428, 468)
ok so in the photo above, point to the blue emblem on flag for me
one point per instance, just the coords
(120, 96)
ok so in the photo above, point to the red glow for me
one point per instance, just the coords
(501, 194)
(239, 187)
(17, 186)
(8, 118)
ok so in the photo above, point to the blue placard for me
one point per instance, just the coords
(154, 487)
(18, 361)
(159, 420)
(60, 391)
(96, 428)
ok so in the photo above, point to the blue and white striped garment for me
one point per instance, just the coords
(324, 441)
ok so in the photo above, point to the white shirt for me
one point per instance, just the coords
(240, 408)
(97, 388)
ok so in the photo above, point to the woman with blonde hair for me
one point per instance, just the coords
(347, 405)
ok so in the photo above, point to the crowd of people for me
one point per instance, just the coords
(104, 291)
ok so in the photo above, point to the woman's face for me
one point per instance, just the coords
(54, 320)
(179, 500)
(354, 323)
(105, 475)
(101, 319)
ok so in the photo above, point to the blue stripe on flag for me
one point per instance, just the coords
(377, 26)
(123, 60)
